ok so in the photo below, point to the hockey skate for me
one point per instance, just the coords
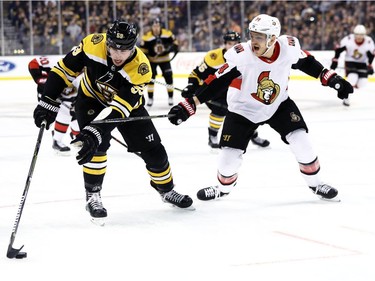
(210, 193)
(95, 207)
(177, 200)
(150, 102)
(170, 101)
(60, 148)
(326, 192)
(213, 142)
(346, 102)
(259, 141)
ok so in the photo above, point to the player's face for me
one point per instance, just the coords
(119, 56)
(229, 44)
(155, 28)
(258, 43)
(359, 38)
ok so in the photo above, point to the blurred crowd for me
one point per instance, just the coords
(198, 25)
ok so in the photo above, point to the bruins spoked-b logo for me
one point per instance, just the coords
(267, 90)
(143, 68)
(97, 38)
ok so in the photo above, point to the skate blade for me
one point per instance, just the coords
(190, 208)
(214, 150)
(335, 199)
(98, 221)
(62, 153)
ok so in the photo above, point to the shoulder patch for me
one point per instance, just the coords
(213, 56)
(97, 38)
(143, 68)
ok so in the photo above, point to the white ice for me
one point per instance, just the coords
(271, 227)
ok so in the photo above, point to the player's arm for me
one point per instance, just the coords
(308, 64)
(39, 75)
(90, 137)
(370, 69)
(59, 78)
(196, 78)
(222, 78)
(335, 59)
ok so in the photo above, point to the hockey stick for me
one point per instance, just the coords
(12, 252)
(124, 145)
(130, 119)
(168, 86)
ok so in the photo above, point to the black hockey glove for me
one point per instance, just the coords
(89, 140)
(370, 69)
(188, 91)
(46, 109)
(182, 111)
(331, 79)
(334, 63)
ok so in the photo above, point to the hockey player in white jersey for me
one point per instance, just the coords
(359, 54)
(257, 73)
(39, 69)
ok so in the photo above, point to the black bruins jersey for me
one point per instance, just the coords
(212, 61)
(120, 88)
(158, 47)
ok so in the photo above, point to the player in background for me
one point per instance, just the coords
(39, 69)
(212, 61)
(257, 73)
(158, 44)
(116, 73)
(359, 51)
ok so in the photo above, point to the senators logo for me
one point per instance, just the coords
(267, 90)
(356, 54)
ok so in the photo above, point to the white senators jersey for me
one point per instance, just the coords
(357, 52)
(263, 84)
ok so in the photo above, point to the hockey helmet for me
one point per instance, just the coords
(359, 30)
(122, 35)
(156, 21)
(232, 36)
(265, 24)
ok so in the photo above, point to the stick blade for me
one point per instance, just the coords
(13, 253)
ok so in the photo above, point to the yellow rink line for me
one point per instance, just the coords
(184, 76)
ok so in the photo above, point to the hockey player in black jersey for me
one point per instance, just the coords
(116, 73)
(158, 44)
(212, 61)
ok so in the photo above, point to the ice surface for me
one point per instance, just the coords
(271, 227)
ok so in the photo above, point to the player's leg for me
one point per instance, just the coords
(60, 128)
(216, 119)
(289, 123)
(151, 85)
(235, 137)
(167, 72)
(143, 138)
(94, 171)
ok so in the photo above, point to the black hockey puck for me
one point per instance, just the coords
(21, 255)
